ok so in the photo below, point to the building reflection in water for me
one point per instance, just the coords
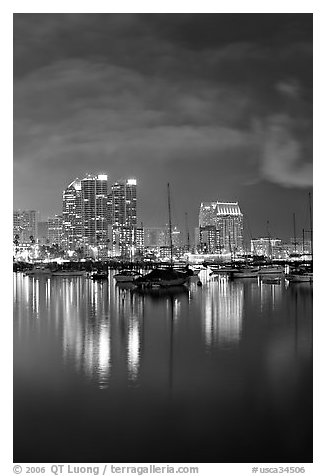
(87, 329)
(36, 297)
(130, 309)
(133, 355)
(223, 311)
(97, 330)
(269, 294)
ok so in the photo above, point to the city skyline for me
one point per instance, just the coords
(247, 230)
(219, 105)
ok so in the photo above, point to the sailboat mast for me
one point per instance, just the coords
(294, 234)
(170, 226)
(310, 213)
(187, 232)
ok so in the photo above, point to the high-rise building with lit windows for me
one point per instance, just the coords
(131, 202)
(94, 194)
(72, 219)
(220, 227)
(55, 230)
(122, 203)
(122, 213)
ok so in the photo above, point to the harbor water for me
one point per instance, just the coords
(107, 373)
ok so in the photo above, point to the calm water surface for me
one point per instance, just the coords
(221, 373)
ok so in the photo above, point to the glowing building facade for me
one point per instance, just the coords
(122, 203)
(220, 227)
(122, 216)
(72, 220)
(55, 230)
(94, 194)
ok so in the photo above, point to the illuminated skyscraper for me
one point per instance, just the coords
(131, 202)
(122, 203)
(94, 193)
(221, 227)
(93, 217)
(72, 221)
(122, 209)
(55, 230)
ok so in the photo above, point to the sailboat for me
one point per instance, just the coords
(244, 270)
(158, 277)
(302, 273)
(270, 269)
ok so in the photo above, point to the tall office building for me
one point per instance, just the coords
(72, 220)
(55, 230)
(94, 193)
(25, 225)
(131, 202)
(122, 212)
(122, 203)
(220, 227)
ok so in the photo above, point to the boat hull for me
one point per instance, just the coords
(39, 272)
(225, 270)
(270, 270)
(99, 277)
(125, 279)
(300, 278)
(245, 273)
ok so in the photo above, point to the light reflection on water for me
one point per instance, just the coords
(203, 348)
(83, 313)
(223, 310)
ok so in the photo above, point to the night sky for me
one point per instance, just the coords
(219, 105)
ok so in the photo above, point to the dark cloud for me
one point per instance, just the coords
(119, 92)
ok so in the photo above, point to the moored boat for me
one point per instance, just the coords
(245, 272)
(195, 271)
(162, 278)
(126, 276)
(223, 269)
(99, 275)
(300, 276)
(271, 269)
(39, 270)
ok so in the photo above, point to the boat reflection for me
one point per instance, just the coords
(158, 293)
